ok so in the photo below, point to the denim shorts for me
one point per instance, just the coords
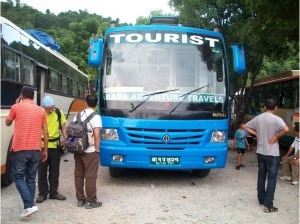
(241, 150)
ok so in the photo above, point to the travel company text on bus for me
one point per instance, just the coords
(164, 96)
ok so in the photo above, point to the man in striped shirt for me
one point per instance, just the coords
(26, 151)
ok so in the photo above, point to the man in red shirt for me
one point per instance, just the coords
(26, 151)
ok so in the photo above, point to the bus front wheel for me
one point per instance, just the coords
(115, 172)
(201, 173)
(6, 178)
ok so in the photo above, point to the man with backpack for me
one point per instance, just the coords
(87, 164)
(56, 121)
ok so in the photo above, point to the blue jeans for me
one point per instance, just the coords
(267, 167)
(24, 166)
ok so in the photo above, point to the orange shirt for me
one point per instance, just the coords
(29, 119)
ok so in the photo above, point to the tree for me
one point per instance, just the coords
(265, 32)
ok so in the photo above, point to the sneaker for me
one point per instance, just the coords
(58, 197)
(295, 182)
(29, 211)
(81, 203)
(237, 167)
(93, 204)
(40, 199)
(285, 178)
(241, 165)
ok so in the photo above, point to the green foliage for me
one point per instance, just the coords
(269, 31)
(146, 20)
(71, 30)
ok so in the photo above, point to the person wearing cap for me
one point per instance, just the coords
(48, 183)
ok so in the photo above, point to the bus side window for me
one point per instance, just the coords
(64, 85)
(53, 82)
(11, 66)
(28, 73)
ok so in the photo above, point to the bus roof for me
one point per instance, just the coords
(164, 27)
(279, 77)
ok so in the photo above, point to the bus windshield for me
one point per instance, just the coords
(173, 76)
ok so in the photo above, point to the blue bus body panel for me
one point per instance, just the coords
(140, 140)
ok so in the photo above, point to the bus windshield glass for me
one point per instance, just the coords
(164, 71)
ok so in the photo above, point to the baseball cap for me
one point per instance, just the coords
(48, 101)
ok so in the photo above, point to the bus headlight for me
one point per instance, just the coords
(109, 134)
(218, 136)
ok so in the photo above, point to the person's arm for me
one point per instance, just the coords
(8, 122)
(288, 153)
(297, 155)
(97, 139)
(295, 160)
(64, 133)
(46, 139)
(281, 133)
(249, 130)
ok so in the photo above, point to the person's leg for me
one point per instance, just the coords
(286, 167)
(43, 178)
(261, 179)
(273, 163)
(91, 162)
(54, 165)
(79, 178)
(242, 155)
(295, 169)
(21, 171)
(238, 159)
(31, 172)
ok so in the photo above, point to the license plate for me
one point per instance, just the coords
(164, 160)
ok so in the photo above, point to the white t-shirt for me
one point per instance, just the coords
(295, 144)
(95, 122)
(266, 126)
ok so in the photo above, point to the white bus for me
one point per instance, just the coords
(27, 62)
(284, 88)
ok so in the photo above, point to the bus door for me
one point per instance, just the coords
(41, 80)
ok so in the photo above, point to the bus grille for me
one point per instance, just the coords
(158, 136)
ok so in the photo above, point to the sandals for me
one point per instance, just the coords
(268, 210)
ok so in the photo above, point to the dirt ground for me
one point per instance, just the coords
(225, 196)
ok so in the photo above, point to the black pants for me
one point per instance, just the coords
(53, 163)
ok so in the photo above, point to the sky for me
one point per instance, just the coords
(126, 10)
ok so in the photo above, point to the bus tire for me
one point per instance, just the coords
(6, 178)
(201, 173)
(115, 172)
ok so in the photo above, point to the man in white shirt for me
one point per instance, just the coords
(87, 164)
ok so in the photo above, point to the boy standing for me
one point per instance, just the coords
(240, 142)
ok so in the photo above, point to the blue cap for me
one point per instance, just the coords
(48, 101)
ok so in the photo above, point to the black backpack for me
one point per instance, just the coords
(77, 140)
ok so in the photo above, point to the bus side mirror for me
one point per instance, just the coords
(93, 86)
(239, 62)
(95, 52)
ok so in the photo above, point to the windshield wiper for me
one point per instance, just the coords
(185, 96)
(148, 97)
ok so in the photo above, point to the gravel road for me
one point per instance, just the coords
(151, 197)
